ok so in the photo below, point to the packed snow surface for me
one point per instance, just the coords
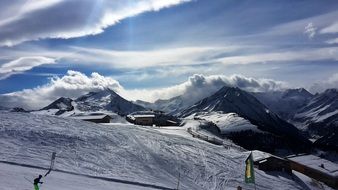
(17, 177)
(125, 152)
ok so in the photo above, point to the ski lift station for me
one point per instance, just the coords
(268, 162)
(150, 118)
(143, 119)
(310, 165)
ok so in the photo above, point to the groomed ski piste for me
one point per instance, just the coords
(118, 156)
(14, 177)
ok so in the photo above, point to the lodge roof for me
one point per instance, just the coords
(89, 117)
(317, 163)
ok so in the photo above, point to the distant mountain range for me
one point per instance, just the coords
(105, 100)
(277, 113)
(172, 106)
(320, 113)
(315, 115)
(285, 103)
(235, 100)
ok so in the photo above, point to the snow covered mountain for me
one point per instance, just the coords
(121, 152)
(319, 117)
(234, 100)
(101, 101)
(315, 115)
(108, 100)
(177, 104)
(60, 106)
(61, 103)
(172, 106)
(284, 103)
(321, 111)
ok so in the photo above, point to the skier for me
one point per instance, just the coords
(36, 182)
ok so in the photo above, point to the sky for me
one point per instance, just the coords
(158, 49)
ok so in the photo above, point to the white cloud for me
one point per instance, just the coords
(72, 85)
(332, 41)
(300, 55)
(75, 84)
(199, 86)
(68, 18)
(310, 30)
(188, 56)
(23, 64)
(333, 28)
(185, 57)
(297, 26)
(320, 86)
(148, 58)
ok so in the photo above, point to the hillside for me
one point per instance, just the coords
(227, 123)
(128, 153)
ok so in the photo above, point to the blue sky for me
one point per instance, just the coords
(158, 44)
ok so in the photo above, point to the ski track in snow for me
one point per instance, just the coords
(126, 152)
(15, 177)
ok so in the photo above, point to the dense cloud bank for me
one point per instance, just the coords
(75, 84)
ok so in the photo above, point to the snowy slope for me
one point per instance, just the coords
(234, 100)
(14, 177)
(125, 152)
(284, 103)
(227, 122)
(58, 107)
(61, 103)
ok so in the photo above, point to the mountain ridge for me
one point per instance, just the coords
(235, 100)
(102, 100)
